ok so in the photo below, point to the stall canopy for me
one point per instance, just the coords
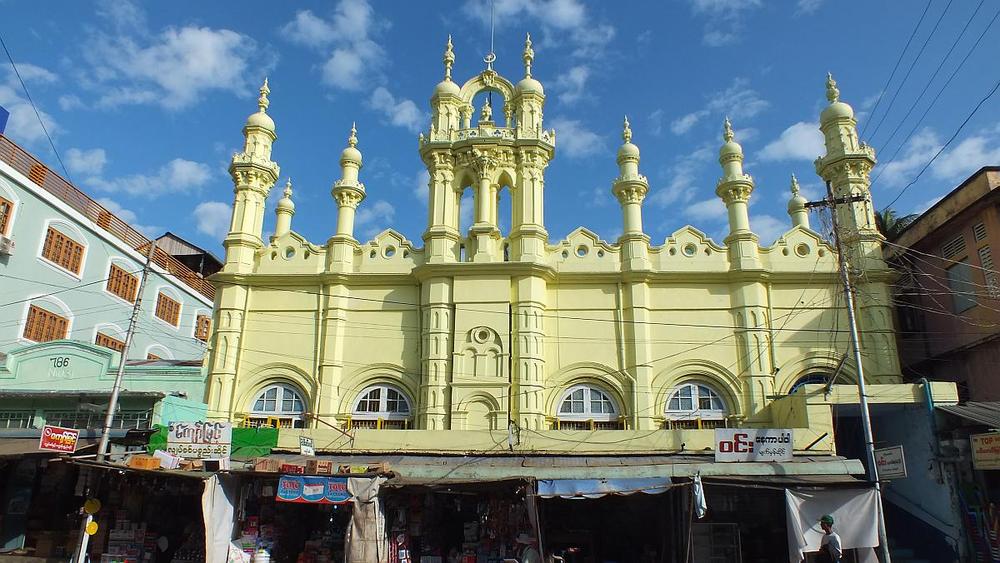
(597, 488)
(985, 413)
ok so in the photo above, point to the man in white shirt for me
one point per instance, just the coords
(829, 550)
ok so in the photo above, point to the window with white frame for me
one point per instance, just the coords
(695, 405)
(279, 405)
(381, 407)
(586, 407)
(809, 379)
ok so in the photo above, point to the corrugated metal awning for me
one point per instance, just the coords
(434, 470)
(985, 413)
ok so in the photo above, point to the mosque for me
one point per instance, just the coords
(473, 340)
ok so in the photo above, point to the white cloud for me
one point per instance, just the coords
(918, 152)
(724, 24)
(575, 139)
(970, 155)
(397, 111)
(130, 217)
(656, 122)
(571, 85)
(768, 228)
(174, 68)
(920, 208)
(684, 123)
(599, 196)
(374, 217)
(421, 190)
(70, 102)
(711, 209)
(177, 176)
(356, 59)
(213, 218)
(87, 162)
(804, 7)
(682, 173)
(801, 141)
(738, 101)
(23, 125)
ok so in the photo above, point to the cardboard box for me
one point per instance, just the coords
(320, 467)
(292, 469)
(266, 465)
(144, 462)
(216, 464)
(167, 461)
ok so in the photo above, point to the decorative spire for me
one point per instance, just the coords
(262, 101)
(832, 93)
(627, 131)
(529, 56)
(727, 130)
(352, 141)
(449, 59)
(795, 185)
(288, 189)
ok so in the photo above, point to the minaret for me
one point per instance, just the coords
(631, 188)
(348, 192)
(284, 211)
(253, 175)
(735, 186)
(847, 166)
(797, 206)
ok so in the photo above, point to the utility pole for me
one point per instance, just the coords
(866, 423)
(109, 417)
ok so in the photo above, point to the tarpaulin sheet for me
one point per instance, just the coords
(217, 511)
(597, 488)
(855, 516)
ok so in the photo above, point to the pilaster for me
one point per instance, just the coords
(528, 389)
(438, 331)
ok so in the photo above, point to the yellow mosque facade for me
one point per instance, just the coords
(484, 340)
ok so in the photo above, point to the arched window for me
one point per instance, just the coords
(809, 378)
(695, 405)
(278, 405)
(381, 407)
(585, 407)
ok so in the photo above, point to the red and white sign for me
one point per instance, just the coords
(59, 439)
(753, 444)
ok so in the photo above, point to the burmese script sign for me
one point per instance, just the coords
(985, 450)
(58, 439)
(890, 462)
(200, 439)
(753, 444)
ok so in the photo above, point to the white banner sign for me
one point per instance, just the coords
(890, 463)
(753, 444)
(306, 446)
(200, 439)
(985, 450)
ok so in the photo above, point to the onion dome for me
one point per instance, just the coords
(836, 109)
(351, 153)
(730, 147)
(627, 150)
(260, 118)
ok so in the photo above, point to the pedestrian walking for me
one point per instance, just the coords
(829, 547)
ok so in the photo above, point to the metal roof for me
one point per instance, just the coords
(985, 413)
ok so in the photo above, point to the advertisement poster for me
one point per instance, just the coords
(200, 439)
(58, 439)
(890, 463)
(753, 444)
(310, 489)
(985, 450)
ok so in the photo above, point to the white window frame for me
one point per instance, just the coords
(383, 412)
(279, 412)
(15, 204)
(172, 294)
(71, 231)
(128, 266)
(588, 413)
(41, 300)
(696, 412)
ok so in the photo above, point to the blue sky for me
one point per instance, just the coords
(146, 101)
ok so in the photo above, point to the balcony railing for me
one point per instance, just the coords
(22, 161)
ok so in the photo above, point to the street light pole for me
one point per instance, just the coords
(866, 423)
(109, 417)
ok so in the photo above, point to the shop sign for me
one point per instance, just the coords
(890, 463)
(200, 439)
(310, 489)
(58, 439)
(306, 446)
(985, 451)
(753, 444)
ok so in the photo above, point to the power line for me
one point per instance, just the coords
(909, 70)
(895, 67)
(34, 107)
(937, 96)
(943, 147)
(934, 75)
